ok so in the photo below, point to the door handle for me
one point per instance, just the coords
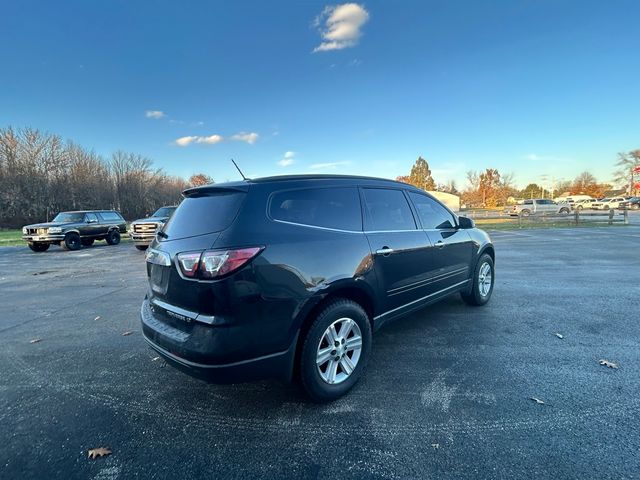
(384, 251)
(440, 244)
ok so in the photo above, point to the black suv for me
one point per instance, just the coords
(72, 230)
(288, 276)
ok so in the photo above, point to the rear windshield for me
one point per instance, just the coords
(203, 214)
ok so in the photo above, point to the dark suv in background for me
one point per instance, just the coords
(73, 230)
(289, 276)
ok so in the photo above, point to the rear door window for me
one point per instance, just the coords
(204, 213)
(91, 217)
(337, 208)
(387, 210)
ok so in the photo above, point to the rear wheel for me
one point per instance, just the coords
(483, 280)
(113, 237)
(87, 242)
(142, 248)
(564, 210)
(525, 213)
(72, 242)
(335, 350)
(38, 246)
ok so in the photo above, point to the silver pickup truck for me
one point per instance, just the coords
(538, 206)
(144, 230)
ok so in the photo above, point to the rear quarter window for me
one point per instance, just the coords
(337, 208)
(110, 216)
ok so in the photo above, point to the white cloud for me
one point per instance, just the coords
(249, 138)
(287, 159)
(327, 166)
(533, 157)
(210, 140)
(155, 114)
(340, 26)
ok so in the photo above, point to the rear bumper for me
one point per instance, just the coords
(199, 351)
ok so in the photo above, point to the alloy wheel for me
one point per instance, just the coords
(485, 278)
(339, 351)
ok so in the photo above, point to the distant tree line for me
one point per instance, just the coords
(490, 188)
(41, 174)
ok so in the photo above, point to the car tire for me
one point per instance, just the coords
(579, 207)
(38, 246)
(113, 237)
(142, 248)
(481, 291)
(635, 206)
(87, 242)
(564, 211)
(317, 378)
(72, 241)
(525, 213)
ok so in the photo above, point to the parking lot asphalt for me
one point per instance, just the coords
(447, 394)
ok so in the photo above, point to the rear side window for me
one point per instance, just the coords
(202, 214)
(337, 208)
(387, 210)
(528, 202)
(91, 217)
(432, 214)
(110, 216)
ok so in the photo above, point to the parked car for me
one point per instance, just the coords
(632, 203)
(144, 230)
(288, 276)
(607, 203)
(73, 230)
(537, 206)
(582, 204)
(573, 199)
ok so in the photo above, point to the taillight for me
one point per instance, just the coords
(214, 263)
(189, 262)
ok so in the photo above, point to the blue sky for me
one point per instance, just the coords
(529, 87)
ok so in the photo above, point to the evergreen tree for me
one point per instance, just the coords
(420, 175)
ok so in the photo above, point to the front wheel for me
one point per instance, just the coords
(142, 248)
(38, 246)
(564, 211)
(483, 280)
(72, 242)
(335, 350)
(113, 237)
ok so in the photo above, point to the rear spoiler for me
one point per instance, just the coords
(214, 189)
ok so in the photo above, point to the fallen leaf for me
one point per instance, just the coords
(155, 359)
(537, 400)
(99, 452)
(127, 333)
(35, 340)
(609, 364)
(560, 336)
(97, 318)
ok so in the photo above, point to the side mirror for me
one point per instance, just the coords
(465, 223)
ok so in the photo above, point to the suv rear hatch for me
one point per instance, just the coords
(194, 227)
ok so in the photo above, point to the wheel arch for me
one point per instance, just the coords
(359, 294)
